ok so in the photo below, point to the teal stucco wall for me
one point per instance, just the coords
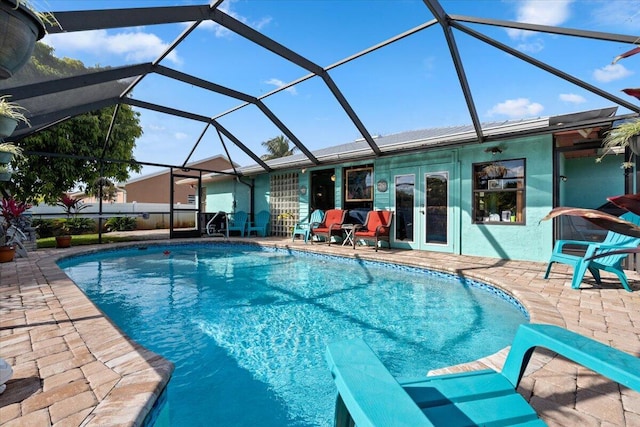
(529, 241)
(221, 195)
(589, 184)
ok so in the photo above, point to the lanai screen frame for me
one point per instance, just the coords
(117, 18)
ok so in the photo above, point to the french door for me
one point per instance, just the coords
(424, 213)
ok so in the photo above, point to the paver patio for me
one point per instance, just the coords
(73, 367)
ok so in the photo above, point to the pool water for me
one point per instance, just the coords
(247, 327)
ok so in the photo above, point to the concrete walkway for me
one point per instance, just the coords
(74, 367)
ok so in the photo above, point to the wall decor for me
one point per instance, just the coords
(359, 185)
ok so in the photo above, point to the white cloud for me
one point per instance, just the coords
(516, 108)
(572, 98)
(180, 135)
(155, 128)
(540, 12)
(221, 31)
(531, 47)
(279, 83)
(619, 15)
(138, 46)
(611, 72)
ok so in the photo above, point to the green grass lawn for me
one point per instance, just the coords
(83, 239)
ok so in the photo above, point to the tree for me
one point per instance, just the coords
(277, 147)
(39, 177)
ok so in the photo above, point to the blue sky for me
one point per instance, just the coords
(405, 86)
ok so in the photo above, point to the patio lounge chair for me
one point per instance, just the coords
(260, 224)
(370, 396)
(304, 228)
(613, 263)
(331, 225)
(238, 223)
(376, 228)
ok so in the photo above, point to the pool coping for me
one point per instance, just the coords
(92, 374)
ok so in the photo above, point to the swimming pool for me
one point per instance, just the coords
(246, 327)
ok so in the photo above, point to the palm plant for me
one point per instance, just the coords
(622, 136)
(277, 147)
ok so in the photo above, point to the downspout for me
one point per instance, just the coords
(251, 194)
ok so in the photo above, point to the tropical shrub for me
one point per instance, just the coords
(121, 223)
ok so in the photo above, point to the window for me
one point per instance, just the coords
(498, 192)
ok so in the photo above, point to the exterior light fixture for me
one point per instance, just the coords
(333, 178)
(493, 150)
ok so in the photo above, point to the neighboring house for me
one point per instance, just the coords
(157, 187)
(121, 195)
(449, 192)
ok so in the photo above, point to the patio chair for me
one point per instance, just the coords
(370, 396)
(613, 263)
(260, 224)
(376, 228)
(238, 223)
(331, 225)
(304, 228)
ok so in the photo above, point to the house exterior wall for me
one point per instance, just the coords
(530, 240)
(581, 174)
(228, 196)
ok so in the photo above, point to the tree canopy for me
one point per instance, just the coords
(277, 147)
(40, 177)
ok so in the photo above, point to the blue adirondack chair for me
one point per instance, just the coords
(238, 222)
(613, 263)
(371, 397)
(260, 224)
(304, 228)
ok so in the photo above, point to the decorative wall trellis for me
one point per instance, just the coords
(283, 203)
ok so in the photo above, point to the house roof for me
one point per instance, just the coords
(59, 99)
(191, 165)
(449, 136)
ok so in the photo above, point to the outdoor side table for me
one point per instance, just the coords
(348, 234)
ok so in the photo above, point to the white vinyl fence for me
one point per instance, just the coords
(148, 216)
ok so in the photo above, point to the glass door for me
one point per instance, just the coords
(423, 208)
(405, 209)
(436, 209)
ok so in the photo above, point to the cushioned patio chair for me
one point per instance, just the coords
(260, 224)
(238, 222)
(370, 396)
(613, 263)
(376, 228)
(331, 225)
(304, 228)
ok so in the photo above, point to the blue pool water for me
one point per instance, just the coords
(247, 327)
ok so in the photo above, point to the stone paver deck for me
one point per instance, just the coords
(73, 367)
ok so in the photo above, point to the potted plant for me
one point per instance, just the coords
(624, 135)
(22, 27)
(10, 114)
(5, 173)
(71, 208)
(9, 151)
(12, 211)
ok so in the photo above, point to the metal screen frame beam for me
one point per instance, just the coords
(214, 87)
(286, 53)
(199, 118)
(75, 82)
(445, 22)
(546, 67)
(85, 20)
